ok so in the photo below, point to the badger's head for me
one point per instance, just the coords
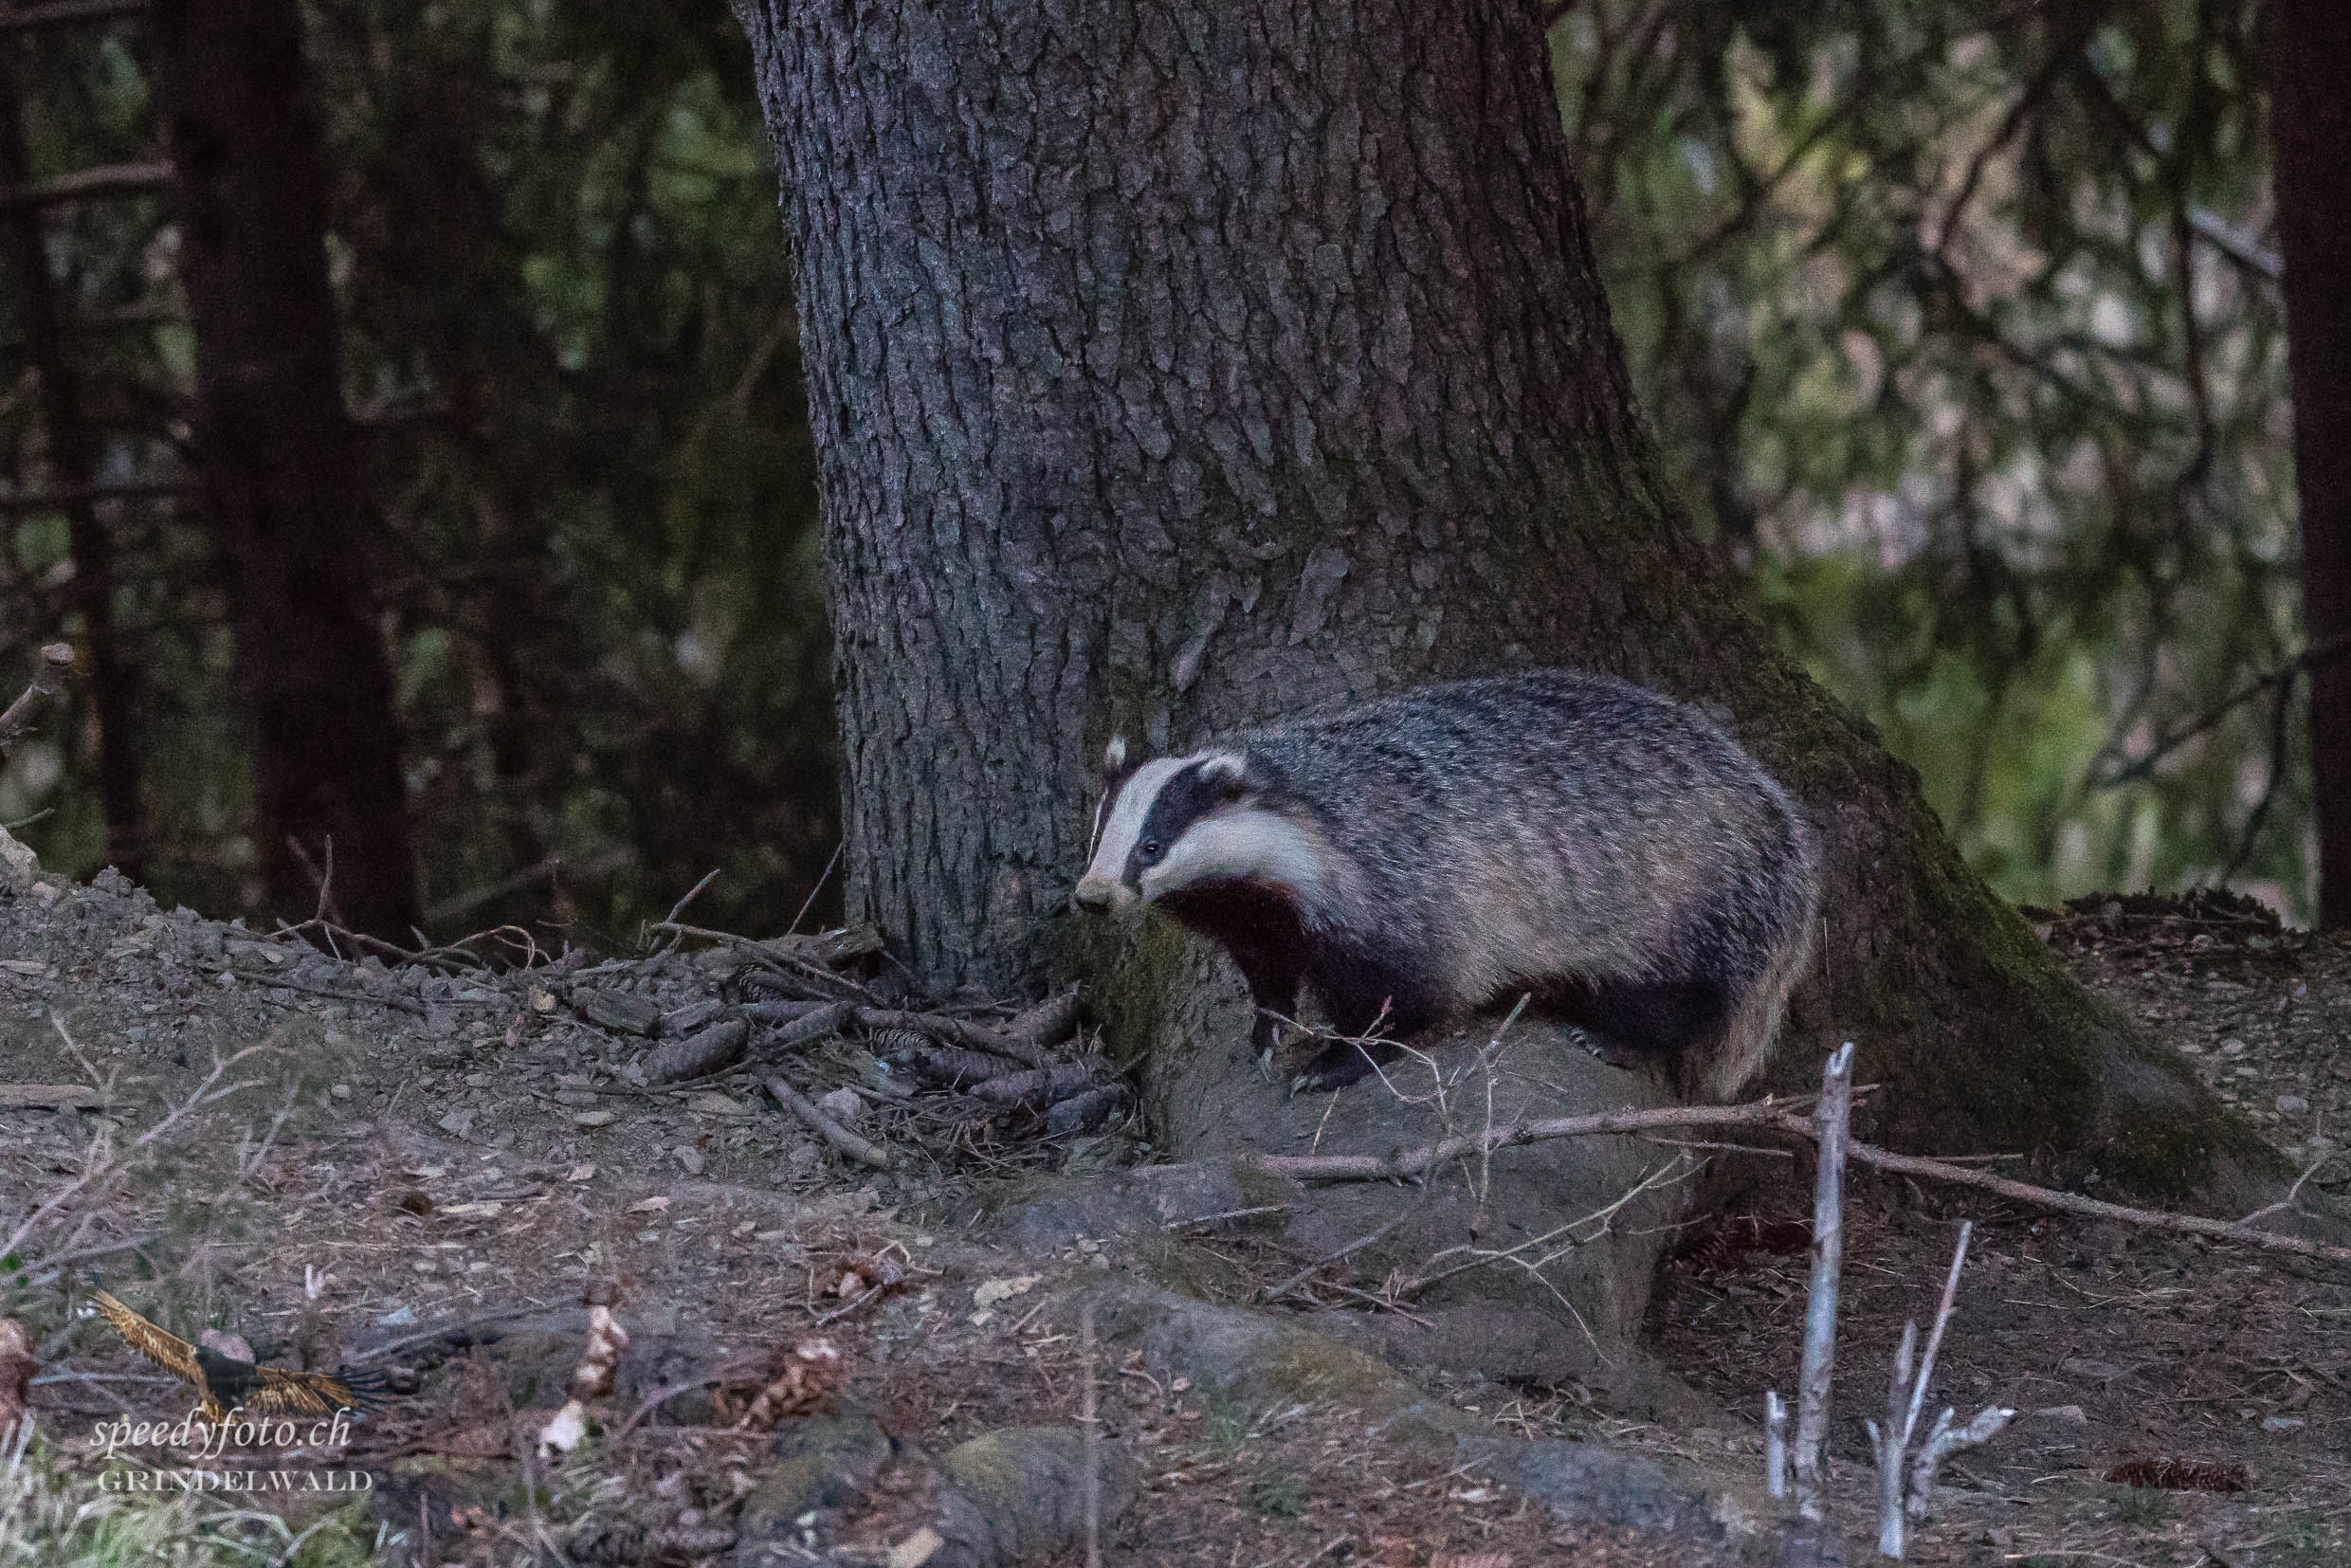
(1175, 822)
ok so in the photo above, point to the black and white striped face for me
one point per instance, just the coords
(1178, 821)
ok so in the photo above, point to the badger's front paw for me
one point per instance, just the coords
(1342, 1062)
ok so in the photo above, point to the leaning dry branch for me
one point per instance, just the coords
(1771, 1116)
(48, 681)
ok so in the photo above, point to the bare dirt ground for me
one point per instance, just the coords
(455, 1154)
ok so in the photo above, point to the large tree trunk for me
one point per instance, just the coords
(289, 520)
(2310, 125)
(1174, 363)
(73, 454)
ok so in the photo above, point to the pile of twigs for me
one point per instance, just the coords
(792, 996)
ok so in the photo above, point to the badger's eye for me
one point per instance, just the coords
(1149, 851)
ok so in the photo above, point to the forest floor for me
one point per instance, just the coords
(450, 1158)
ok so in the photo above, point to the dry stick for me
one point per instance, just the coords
(1942, 1440)
(1089, 1422)
(815, 889)
(1812, 1394)
(1934, 1337)
(1945, 1440)
(1320, 1264)
(1766, 1114)
(825, 1127)
(1886, 1445)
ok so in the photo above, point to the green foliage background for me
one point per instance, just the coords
(1961, 327)
(1954, 324)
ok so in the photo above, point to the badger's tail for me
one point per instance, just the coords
(1720, 1068)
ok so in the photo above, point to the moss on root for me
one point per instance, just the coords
(1133, 972)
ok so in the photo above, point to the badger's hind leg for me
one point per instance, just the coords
(1640, 1023)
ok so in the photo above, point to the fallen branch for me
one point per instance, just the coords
(1042, 1085)
(824, 1018)
(825, 1127)
(803, 962)
(954, 1031)
(1406, 1165)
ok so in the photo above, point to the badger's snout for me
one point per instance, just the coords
(1097, 894)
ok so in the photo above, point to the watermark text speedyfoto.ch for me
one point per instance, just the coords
(210, 1439)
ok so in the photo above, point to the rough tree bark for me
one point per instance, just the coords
(288, 516)
(73, 456)
(1176, 363)
(2310, 128)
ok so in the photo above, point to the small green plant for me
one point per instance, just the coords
(2145, 1507)
(1225, 1426)
(2308, 1537)
(1284, 1496)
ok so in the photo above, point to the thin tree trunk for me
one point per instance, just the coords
(1174, 363)
(2310, 125)
(290, 524)
(73, 464)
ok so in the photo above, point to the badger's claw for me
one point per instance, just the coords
(1342, 1062)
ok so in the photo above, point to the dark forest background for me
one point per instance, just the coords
(1961, 327)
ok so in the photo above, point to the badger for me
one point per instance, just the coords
(1608, 851)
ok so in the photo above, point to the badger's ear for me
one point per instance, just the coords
(1114, 756)
(1227, 772)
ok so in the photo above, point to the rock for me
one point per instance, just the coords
(845, 1106)
(1255, 1359)
(822, 1465)
(1020, 1492)
(1051, 1212)
(19, 867)
(1203, 1087)
(1584, 1479)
